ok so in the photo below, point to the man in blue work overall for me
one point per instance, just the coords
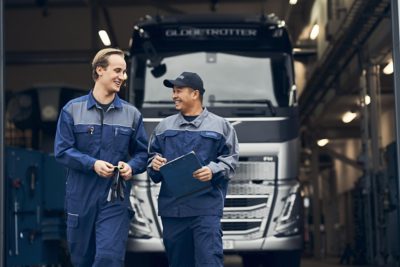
(100, 136)
(191, 226)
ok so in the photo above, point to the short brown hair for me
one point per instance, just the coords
(101, 59)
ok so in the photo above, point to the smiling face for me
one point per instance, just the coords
(186, 100)
(113, 76)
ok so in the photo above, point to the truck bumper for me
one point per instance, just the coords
(145, 245)
(263, 244)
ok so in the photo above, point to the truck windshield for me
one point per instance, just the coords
(229, 79)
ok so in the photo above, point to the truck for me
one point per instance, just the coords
(247, 66)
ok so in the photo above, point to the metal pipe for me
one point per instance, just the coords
(2, 105)
(373, 83)
(367, 175)
(395, 8)
(316, 202)
(362, 19)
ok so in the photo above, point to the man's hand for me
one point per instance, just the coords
(125, 170)
(157, 162)
(203, 174)
(103, 168)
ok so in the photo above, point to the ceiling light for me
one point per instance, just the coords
(349, 116)
(104, 38)
(292, 2)
(322, 142)
(306, 202)
(388, 69)
(367, 100)
(314, 32)
(281, 23)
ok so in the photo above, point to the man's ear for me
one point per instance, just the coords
(196, 94)
(99, 70)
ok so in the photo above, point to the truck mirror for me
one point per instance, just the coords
(159, 70)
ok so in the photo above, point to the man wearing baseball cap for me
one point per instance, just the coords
(187, 79)
(191, 225)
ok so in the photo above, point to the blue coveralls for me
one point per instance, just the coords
(191, 226)
(97, 230)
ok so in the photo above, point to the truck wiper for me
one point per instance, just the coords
(251, 101)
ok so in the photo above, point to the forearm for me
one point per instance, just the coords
(225, 164)
(72, 158)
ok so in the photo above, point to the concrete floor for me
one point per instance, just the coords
(236, 261)
(323, 263)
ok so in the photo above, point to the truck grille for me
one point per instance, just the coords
(244, 202)
(248, 188)
(247, 203)
(244, 214)
(262, 170)
(240, 226)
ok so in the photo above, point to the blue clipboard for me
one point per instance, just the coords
(178, 176)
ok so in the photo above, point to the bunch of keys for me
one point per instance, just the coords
(117, 187)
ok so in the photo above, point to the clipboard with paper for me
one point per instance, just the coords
(178, 176)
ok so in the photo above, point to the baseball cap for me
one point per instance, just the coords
(189, 79)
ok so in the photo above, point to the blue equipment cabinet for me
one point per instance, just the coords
(35, 186)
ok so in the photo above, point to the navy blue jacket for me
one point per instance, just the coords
(214, 141)
(85, 134)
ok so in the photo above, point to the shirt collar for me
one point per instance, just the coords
(196, 122)
(92, 102)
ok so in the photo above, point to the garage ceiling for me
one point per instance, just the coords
(54, 34)
(118, 17)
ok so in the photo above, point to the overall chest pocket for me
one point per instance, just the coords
(122, 137)
(86, 137)
(173, 144)
(209, 145)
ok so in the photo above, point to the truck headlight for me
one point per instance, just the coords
(289, 221)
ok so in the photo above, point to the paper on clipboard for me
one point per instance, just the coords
(178, 176)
